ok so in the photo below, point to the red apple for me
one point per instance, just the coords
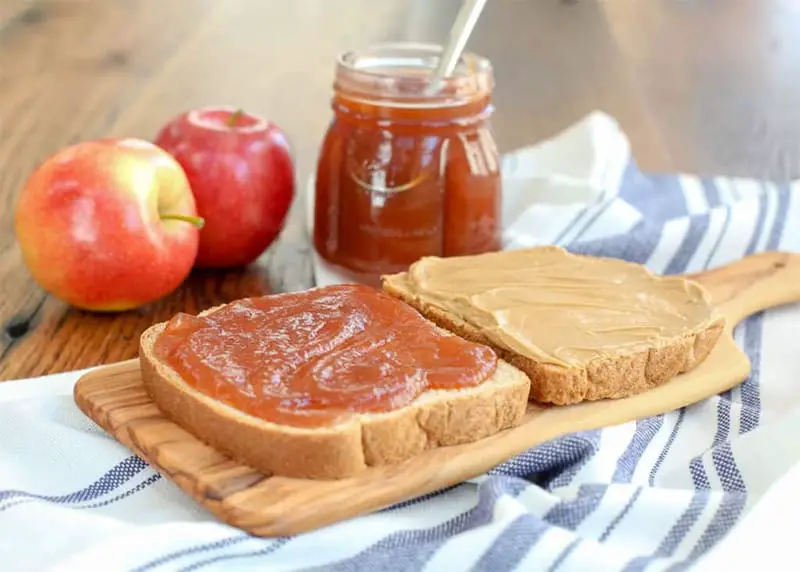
(241, 172)
(108, 225)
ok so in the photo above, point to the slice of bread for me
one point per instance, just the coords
(607, 375)
(435, 419)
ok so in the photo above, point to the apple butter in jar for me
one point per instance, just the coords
(407, 170)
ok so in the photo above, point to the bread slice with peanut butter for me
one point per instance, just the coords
(285, 383)
(581, 327)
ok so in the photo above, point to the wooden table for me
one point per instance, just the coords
(702, 86)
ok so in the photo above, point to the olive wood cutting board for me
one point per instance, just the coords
(115, 398)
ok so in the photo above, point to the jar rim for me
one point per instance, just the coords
(404, 70)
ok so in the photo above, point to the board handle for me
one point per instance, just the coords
(752, 284)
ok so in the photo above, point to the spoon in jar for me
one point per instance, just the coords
(459, 34)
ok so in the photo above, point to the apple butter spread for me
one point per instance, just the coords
(404, 172)
(560, 308)
(305, 359)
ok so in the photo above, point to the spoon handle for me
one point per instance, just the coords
(459, 34)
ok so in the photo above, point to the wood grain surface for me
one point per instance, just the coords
(699, 86)
(264, 505)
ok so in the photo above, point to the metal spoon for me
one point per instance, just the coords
(459, 34)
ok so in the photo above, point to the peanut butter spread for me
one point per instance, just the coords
(561, 308)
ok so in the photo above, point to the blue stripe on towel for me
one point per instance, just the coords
(562, 557)
(675, 535)
(658, 197)
(617, 519)
(592, 219)
(684, 524)
(698, 226)
(569, 514)
(198, 549)
(646, 430)
(576, 220)
(555, 463)
(588, 216)
(712, 193)
(138, 488)
(636, 246)
(110, 481)
(724, 519)
(751, 398)
(699, 476)
(728, 472)
(576, 511)
(725, 223)
(411, 549)
(721, 454)
(761, 215)
(670, 440)
(513, 544)
(265, 551)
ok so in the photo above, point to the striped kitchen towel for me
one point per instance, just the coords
(656, 494)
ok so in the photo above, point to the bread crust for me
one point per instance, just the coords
(610, 376)
(435, 419)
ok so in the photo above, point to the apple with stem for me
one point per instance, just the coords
(241, 171)
(108, 225)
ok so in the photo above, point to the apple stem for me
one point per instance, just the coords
(195, 220)
(234, 118)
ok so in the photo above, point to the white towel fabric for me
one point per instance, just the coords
(663, 493)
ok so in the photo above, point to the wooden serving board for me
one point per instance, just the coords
(115, 398)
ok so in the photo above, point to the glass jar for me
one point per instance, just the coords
(405, 173)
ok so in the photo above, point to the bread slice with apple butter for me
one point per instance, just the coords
(324, 383)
